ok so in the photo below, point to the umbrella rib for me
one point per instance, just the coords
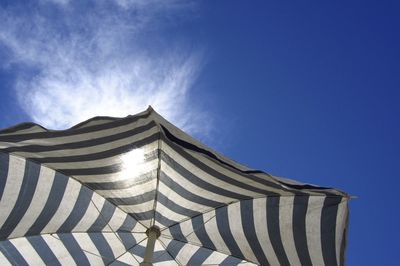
(109, 226)
(197, 245)
(128, 250)
(190, 232)
(236, 201)
(84, 250)
(72, 177)
(169, 253)
(153, 221)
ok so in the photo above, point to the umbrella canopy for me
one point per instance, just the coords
(137, 190)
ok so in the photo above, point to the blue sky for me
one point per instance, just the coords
(309, 91)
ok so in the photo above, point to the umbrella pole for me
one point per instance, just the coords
(152, 233)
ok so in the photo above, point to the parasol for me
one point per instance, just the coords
(139, 191)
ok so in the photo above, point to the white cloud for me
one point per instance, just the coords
(85, 63)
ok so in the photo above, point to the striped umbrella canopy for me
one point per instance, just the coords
(139, 191)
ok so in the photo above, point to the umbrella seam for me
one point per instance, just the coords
(108, 224)
(158, 176)
(84, 250)
(190, 243)
(72, 177)
(173, 257)
(236, 201)
(128, 250)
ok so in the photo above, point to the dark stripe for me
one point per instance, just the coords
(191, 146)
(123, 184)
(274, 229)
(247, 215)
(300, 204)
(12, 254)
(199, 182)
(230, 261)
(344, 239)
(100, 155)
(74, 249)
(110, 169)
(226, 232)
(224, 164)
(158, 256)
(173, 206)
(18, 127)
(217, 174)
(4, 161)
(127, 240)
(28, 187)
(53, 202)
(83, 143)
(164, 220)
(199, 256)
(128, 224)
(114, 168)
(104, 217)
(174, 247)
(140, 216)
(43, 250)
(176, 233)
(74, 130)
(102, 246)
(328, 229)
(170, 183)
(201, 233)
(80, 207)
(147, 196)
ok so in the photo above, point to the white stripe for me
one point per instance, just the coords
(27, 251)
(91, 149)
(261, 226)
(59, 250)
(235, 224)
(170, 214)
(84, 136)
(143, 207)
(32, 129)
(189, 186)
(146, 222)
(313, 229)
(340, 226)
(3, 260)
(187, 230)
(213, 232)
(215, 258)
(145, 166)
(87, 245)
(126, 259)
(115, 244)
(101, 178)
(39, 199)
(65, 208)
(160, 248)
(286, 229)
(206, 176)
(175, 197)
(91, 214)
(133, 191)
(117, 220)
(16, 171)
(232, 174)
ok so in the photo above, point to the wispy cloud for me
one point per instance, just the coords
(96, 58)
